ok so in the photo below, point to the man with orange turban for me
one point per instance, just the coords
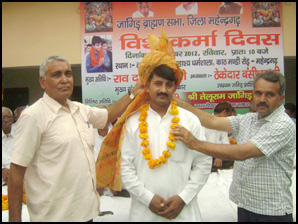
(162, 176)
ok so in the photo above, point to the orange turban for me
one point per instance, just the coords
(108, 164)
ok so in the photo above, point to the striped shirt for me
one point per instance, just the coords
(262, 184)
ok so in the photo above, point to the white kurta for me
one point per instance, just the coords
(184, 174)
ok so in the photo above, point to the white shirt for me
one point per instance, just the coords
(184, 174)
(217, 137)
(7, 142)
(137, 14)
(56, 146)
(180, 10)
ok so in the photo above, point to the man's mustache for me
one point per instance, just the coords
(262, 104)
(162, 94)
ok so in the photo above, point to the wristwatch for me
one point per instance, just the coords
(131, 96)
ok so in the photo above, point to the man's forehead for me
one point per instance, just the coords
(5, 112)
(264, 84)
(58, 65)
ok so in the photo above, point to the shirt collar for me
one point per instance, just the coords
(55, 106)
(9, 135)
(275, 113)
(150, 108)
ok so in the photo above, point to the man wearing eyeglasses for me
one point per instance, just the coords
(7, 141)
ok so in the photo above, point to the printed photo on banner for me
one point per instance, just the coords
(228, 8)
(265, 14)
(98, 17)
(143, 10)
(98, 53)
(187, 8)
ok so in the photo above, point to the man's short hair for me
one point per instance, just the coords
(6, 108)
(44, 65)
(223, 106)
(96, 40)
(291, 107)
(165, 72)
(272, 76)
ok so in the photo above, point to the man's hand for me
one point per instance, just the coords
(5, 174)
(100, 190)
(182, 134)
(100, 62)
(157, 204)
(217, 163)
(173, 207)
(138, 87)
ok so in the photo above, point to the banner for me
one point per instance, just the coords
(221, 46)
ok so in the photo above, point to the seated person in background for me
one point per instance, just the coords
(17, 113)
(290, 109)
(223, 109)
(7, 142)
(97, 60)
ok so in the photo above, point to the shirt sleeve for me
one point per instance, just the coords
(201, 168)
(96, 116)
(26, 140)
(271, 140)
(128, 172)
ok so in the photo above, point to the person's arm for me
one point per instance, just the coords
(206, 119)
(15, 192)
(116, 109)
(221, 151)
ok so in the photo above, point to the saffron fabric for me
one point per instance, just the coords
(108, 162)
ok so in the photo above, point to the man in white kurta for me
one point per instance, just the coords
(184, 174)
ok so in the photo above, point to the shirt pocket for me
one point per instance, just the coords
(179, 153)
(87, 133)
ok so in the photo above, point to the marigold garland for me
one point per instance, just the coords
(143, 129)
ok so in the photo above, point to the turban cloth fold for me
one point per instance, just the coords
(108, 164)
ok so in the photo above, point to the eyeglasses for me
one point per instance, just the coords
(7, 117)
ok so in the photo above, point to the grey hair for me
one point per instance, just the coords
(18, 109)
(272, 76)
(44, 65)
(6, 108)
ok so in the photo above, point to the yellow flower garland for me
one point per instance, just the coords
(143, 125)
